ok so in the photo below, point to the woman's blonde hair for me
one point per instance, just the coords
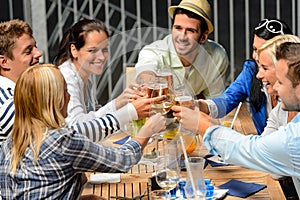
(271, 45)
(38, 99)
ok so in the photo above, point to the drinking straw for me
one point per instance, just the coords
(235, 115)
(186, 161)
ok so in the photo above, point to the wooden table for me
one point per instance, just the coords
(137, 180)
(243, 123)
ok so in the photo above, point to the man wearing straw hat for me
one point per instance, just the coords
(188, 52)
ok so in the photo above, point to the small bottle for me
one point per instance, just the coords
(181, 185)
(207, 181)
(173, 193)
(210, 189)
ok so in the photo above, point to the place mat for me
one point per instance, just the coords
(241, 189)
(123, 140)
(215, 161)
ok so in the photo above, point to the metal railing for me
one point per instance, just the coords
(135, 23)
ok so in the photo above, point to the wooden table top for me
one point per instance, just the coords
(136, 181)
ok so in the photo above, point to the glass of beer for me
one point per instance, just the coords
(158, 87)
(185, 100)
(166, 73)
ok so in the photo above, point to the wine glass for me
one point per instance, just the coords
(167, 165)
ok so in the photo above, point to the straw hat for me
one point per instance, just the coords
(199, 7)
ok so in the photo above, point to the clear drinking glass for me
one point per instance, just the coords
(195, 186)
(168, 164)
(184, 97)
(158, 87)
(167, 74)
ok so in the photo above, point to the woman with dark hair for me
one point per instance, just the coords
(246, 84)
(82, 53)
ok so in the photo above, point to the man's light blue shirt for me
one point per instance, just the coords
(276, 153)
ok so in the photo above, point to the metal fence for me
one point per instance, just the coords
(135, 23)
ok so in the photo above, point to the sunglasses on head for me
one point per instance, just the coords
(272, 26)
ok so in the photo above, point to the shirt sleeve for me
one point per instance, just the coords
(85, 155)
(212, 107)
(237, 92)
(7, 118)
(148, 60)
(107, 108)
(126, 114)
(98, 128)
(275, 153)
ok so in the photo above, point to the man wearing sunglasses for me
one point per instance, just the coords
(187, 52)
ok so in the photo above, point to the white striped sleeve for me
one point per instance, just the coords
(7, 118)
(98, 128)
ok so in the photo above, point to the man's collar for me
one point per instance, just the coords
(6, 83)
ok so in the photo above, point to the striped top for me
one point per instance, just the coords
(95, 129)
(7, 108)
(81, 106)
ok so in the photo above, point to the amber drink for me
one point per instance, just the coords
(157, 90)
(168, 76)
(186, 101)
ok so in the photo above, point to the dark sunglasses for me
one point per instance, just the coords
(272, 26)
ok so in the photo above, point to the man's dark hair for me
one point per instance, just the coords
(203, 25)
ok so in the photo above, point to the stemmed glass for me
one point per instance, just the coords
(168, 164)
